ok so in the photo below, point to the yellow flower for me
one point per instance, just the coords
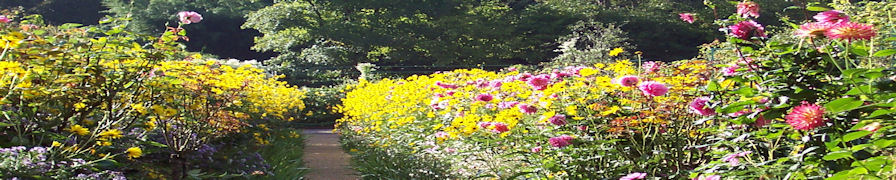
(609, 111)
(587, 72)
(134, 152)
(77, 129)
(615, 52)
(80, 105)
(112, 133)
(57, 144)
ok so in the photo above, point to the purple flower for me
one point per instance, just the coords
(561, 141)
(633, 176)
(558, 120)
(528, 109)
(484, 97)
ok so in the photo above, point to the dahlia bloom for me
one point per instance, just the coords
(539, 82)
(710, 177)
(650, 66)
(484, 97)
(748, 8)
(561, 141)
(558, 120)
(811, 30)
(627, 81)
(4, 19)
(653, 88)
(806, 116)
(499, 127)
(851, 31)
(831, 17)
(698, 106)
(188, 17)
(730, 70)
(528, 109)
(687, 17)
(747, 29)
(633, 176)
(446, 86)
(508, 104)
(733, 160)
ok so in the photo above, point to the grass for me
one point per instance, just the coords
(284, 154)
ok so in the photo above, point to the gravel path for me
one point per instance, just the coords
(324, 156)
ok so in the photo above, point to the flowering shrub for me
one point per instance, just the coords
(95, 95)
(603, 121)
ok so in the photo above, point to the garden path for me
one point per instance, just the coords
(324, 156)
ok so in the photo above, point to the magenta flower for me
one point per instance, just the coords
(653, 88)
(698, 106)
(851, 31)
(4, 19)
(506, 105)
(446, 86)
(709, 177)
(650, 66)
(806, 116)
(633, 176)
(485, 125)
(747, 29)
(499, 127)
(687, 17)
(811, 30)
(539, 82)
(558, 120)
(748, 8)
(831, 17)
(733, 159)
(441, 135)
(528, 109)
(561, 141)
(730, 70)
(536, 149)
(188, 17)
(484, 97)
(628, 81)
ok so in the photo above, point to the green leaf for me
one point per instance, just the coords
(735, 107)
(842, 104)
(837, 155)
(883, 143)
(855, 135)
(880, 112)
(713, 86)
(817, 8)
(885, 52)
(842, 175)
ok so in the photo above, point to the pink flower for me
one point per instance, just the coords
(627, 81)
(812, 30)
(484, 97)
(709, 177)
(653, 88)
(633, 176)
(558, 120)
(873, 127)
(730, 70)
(188, 17)
(536, 149)
(505, 105)
(582, 128)
(733, 159)
(561, 141)
(528, 109)
(761, 121)
(651, 66)
(4, 19)
(687, 17)
(485, 125)
(441, 135)
(851, 31)
(499, 127)
(748, 8)
(747, 29)
(446, 86)
(806, 116)
(539, 82)
(831, 17)
(698, 106)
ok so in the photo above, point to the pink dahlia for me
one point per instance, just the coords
(709, 177)
(831, 17)
(539, 82)
(528, 109)
(806, 116)
(561, 141)
(484, 125)
(4, 19)
(445, 85)
(627, 81)
(651, 66)
(812, 30)
(747, 29)
(730, 70)
(188, 17)
(733, 159)
(851, 31)
(506, 105)
(499, 127)
(653, 88)
(558, 120)
(633, 176)
(748, 8)
(698, 106)
(687, 17)
(484, 97)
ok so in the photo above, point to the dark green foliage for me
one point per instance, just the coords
(218, 33)
(58, 12)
